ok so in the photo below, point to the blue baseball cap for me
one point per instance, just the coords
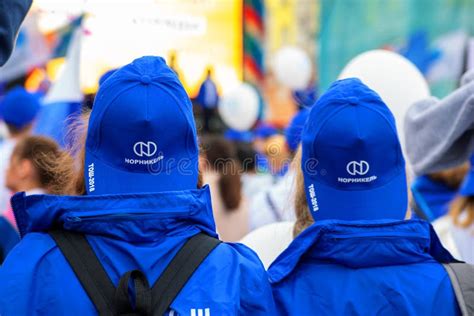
(352, 162)
(294, 129)
(19, 107)
(106, 76)
(141, 136)
(467, 187)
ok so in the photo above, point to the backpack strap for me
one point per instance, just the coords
(88, 269)
(180, 270)
(462, 280)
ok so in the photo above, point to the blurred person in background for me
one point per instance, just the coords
(221, 171)
(138, 212)
(456, 229)
(12, 13)
(18, 110)
(253, 179)
(261, 134)
(439, 137)
(37, 166)
(208, 99)
(275, 202)
(353, 252)
(432, 194)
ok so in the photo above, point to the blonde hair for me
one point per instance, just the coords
(303, 216)
(462, 205)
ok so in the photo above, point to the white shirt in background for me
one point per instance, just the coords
(275, 203)
(6, 149)
(457, 240)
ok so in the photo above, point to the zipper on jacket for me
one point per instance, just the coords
(76, 219)
(375, 234)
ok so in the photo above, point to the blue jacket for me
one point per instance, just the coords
(136, 231)
(12, 14)
(364, 268)
(432, 197)
(8, 238)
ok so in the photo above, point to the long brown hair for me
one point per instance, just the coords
(53, 166)
(222, 157)
(303, 216)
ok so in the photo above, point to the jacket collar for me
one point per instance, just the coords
(362, 244)
(129, 217)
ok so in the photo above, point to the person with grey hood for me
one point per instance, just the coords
(439, 136)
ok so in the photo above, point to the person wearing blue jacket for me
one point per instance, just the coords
(353, 252)
(141, 201)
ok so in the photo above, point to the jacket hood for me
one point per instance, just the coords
(131, 217)
(362, 244)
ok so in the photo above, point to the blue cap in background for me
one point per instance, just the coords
(19, 107)
(238, 136)
(294, 129)
(141, 136)
(352, 161)
(467, 187)
(264, 130)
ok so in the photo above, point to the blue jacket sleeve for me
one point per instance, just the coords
(12, 13)
(256, 296)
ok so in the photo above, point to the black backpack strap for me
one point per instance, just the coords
(142, 302)
(180, 270)
(462, 280)
(88, 269)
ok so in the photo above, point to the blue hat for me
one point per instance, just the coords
(294, 129)
(467, 187)
(264, 131)
(106, 76)
(238, 136)
(19, 107)
(352, 161)
(141, 136)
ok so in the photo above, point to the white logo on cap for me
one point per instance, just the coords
(358, 168)
(147, 149)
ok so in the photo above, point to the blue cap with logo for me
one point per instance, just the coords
(142, 136)
(19, 107)
(352, 161)
(294, 129)
(467, 187)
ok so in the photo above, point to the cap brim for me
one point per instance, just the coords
(106, 179)
(386, 202)
(467, 187)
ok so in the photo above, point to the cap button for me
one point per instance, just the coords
(352, 100)
(145, 79)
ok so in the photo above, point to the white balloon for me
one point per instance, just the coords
(398, 82)
(239, 108)
(292, 67)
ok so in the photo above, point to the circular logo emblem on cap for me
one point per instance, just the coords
(146, 149)
(358, 168)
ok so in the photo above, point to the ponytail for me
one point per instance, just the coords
(222, 158)
(303, 216)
